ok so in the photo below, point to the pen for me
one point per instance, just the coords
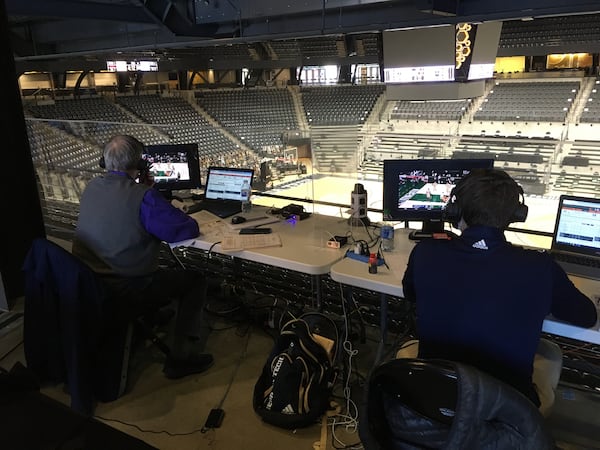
(266, 223)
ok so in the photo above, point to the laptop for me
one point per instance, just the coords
(223, 190)
(576, 237)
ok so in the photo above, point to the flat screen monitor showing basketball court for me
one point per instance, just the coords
(418, 189)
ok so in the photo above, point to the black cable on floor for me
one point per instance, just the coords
(203, 429)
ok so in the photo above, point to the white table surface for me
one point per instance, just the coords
(304, 243)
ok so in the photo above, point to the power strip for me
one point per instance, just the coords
(363, 258)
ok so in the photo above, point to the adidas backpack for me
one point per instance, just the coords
(295, 385)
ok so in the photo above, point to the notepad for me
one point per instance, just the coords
(249, 241)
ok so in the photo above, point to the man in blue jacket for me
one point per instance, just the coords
(119, 232)
(482, 301)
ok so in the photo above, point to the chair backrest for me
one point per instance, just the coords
(416, 403)
(426, 387)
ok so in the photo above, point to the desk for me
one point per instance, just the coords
(304, 245)
(389, 282)
(386, 281)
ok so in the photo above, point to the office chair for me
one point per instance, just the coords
(438, 404)
(72, 330)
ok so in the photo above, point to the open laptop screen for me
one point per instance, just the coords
(226, 182)
(577, 227)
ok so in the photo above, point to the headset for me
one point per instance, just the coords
(453, 210)
(142, 164)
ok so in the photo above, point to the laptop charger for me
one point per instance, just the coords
(215, 418)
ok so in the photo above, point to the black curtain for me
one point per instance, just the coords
(21, 206)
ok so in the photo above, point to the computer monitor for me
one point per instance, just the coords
(175, 167)
(418, 189)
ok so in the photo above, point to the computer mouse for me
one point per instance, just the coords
(238, 219)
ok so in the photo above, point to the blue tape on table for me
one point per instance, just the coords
(363, 258)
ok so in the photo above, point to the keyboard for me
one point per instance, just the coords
(222, 210)
(194, 207)
(576, 259)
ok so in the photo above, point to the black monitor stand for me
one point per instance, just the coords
(182, 195)
(431, 229)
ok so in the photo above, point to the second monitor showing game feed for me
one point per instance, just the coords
(418, 190)
(175, 167)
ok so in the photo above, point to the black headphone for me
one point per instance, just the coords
(453, 210)
(142, 164)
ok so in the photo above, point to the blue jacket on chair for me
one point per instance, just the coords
(64, 321)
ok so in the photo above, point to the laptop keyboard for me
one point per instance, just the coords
(224, 209)
(193, 208)
(577, 259)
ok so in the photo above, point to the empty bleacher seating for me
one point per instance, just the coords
(534, 101)
(257, 117)
(339, 105)
(430, 110)
(591, 110)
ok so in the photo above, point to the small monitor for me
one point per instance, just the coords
(418, 189)
(175, 167)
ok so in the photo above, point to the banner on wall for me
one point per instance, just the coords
(569, 61)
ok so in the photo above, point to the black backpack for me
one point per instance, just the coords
(295, 385)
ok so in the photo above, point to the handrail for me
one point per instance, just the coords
(342, 205)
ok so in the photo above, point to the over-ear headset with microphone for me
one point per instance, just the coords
(466, 189)
(142, 164)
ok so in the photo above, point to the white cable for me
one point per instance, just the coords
(349, 419)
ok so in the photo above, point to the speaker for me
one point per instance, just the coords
(453, 210)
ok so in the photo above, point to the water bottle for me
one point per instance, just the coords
(246, 193)
(387, 237)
